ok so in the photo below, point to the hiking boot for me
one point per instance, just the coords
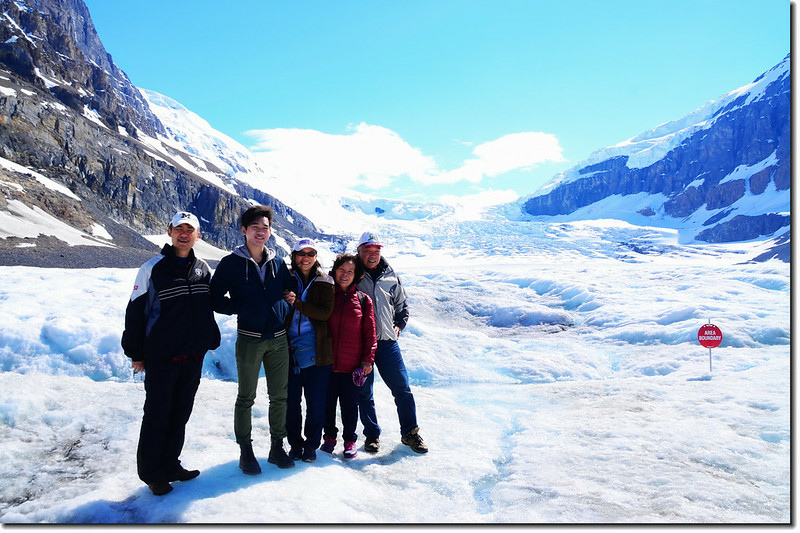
(295, 453)
(183, 475)
(350, 450)
(247, 460)
(309, 455)
(160, 487)
(328, 444)
(277, 455)
(371, 445)
(414, 441)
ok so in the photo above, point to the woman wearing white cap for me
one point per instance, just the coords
(312, 350)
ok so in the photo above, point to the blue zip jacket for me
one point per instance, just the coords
(302, 335)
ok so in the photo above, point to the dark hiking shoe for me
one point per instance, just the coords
(295, 453)
(414, 441)
(277, 455)
(328, 444)
(371, 445)
(309, 455)
(160, 487)
(247, 460)
(183, 475)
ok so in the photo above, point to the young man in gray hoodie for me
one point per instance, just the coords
(250, 283)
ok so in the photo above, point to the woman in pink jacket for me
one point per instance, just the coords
(352, 326)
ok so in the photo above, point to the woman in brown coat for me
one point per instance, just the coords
(311, 350)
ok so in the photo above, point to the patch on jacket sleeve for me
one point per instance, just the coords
(142, 282)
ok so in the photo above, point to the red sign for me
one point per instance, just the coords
(710, 336)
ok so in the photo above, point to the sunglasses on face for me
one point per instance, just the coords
(312, 253)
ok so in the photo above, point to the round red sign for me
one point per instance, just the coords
(710, 336)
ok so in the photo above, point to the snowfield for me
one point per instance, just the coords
(556, 370)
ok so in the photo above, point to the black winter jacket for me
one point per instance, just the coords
(237, 289)
(169, 313)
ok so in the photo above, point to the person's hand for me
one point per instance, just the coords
(289, 296)
(137, 366)
(397, 331)
(366, 368)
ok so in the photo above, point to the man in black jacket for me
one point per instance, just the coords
(169, 326)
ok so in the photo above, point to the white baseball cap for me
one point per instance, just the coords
(369, 238)
(304, 243)
(184, 217)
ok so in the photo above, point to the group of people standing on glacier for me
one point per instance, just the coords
(317, 336)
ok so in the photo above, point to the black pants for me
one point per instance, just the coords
(341, 388)
(311, 383)
(170, 389)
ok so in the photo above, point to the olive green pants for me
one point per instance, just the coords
(251, 355)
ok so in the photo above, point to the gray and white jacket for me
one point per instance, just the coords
(383, 285)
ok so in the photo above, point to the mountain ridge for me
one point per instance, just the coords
(69, 114)
(698, 173)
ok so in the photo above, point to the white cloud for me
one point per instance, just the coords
(516, 151)
(371, 156)
(374, 156)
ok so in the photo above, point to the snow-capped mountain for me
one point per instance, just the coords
(188, 132)
(719, 174)
(87, 163)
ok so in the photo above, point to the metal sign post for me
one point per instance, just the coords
(709, 336)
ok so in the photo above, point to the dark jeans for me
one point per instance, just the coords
(341, 388)
(311, 383)
(170, 389)
(389, 363)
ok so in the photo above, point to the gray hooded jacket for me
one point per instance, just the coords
(389, 299)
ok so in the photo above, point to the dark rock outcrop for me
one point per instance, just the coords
(744, 228)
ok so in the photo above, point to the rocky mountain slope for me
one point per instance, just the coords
(719, 174)
(70, 120)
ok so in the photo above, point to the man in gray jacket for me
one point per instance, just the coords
(383, 285)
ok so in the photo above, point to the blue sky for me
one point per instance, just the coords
(424, 98)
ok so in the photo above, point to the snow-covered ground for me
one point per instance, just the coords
(556, 370)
